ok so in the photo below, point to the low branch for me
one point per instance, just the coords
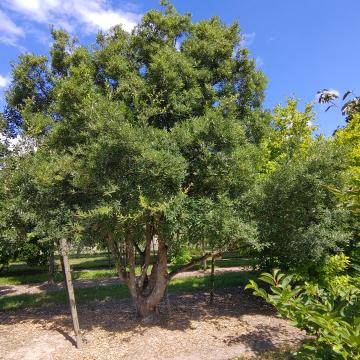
(130, 254)
(138, 249)
(123, 274)
(193, 263)
(146, 254)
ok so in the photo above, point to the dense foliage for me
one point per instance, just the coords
(299, 221)
(141, 139)
(326, 302)
(329, 314)
(158, 138)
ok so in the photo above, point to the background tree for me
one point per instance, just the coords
(351, 101)
(348, 137)
(298, 219)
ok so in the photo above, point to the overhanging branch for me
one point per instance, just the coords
(123, 274)
(193, 263)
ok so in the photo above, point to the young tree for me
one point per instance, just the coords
(298, 218)
(135, 130)
(348, 137)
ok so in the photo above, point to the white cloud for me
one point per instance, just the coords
(247, 39)
(7, 25)
(18, 145)
(9, 31)
(96, 15)
(259, 62)
(11, 142)
(4, 81)
(80, 16)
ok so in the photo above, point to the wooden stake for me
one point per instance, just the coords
(70, 291)
(109, 257)
(203, 253)
(212, 280)
(212, 277)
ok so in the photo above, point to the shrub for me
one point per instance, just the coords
(330, 317)
(299, 221)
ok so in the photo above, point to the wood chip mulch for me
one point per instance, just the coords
(237, 324)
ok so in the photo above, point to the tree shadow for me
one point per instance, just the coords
(64, 333)
(258, 340)
(119, 315)
(262, 339)
(6, 290)
(116, 319)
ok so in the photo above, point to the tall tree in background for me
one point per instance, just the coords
(348, 138)
(298, 218)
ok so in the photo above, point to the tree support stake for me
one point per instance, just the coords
(70, 291)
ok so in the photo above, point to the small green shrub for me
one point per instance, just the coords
(34, 253)
(331, 317)
(180, 254)
(332, 273)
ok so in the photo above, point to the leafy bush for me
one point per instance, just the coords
(330, 317)
(34, 253)
(180, 254)
(333, 273)
(298, 219)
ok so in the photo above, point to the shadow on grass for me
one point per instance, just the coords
(118, 290)
(6, 290)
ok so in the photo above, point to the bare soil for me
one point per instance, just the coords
(11, 290)
(236, 325)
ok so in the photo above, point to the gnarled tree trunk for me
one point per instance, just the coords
(146, 290)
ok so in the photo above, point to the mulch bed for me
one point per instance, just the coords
(237, 324)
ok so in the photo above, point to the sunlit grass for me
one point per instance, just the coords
(91, 267)
(188, 284)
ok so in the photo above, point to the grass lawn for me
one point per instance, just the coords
(40, 277)
(189, 284)
(90, 261)
(90, 267)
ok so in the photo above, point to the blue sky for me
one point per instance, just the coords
(301, 45)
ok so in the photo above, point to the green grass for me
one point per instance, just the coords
(85, 261)
(90, 262)
(189, 284)
(90, 267)
(235, 262)
(25, 279)
(43, 277)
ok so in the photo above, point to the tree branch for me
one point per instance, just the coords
(137, 247)
(123, 274)
(130, 253)
(193, 263)
(146, 253)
